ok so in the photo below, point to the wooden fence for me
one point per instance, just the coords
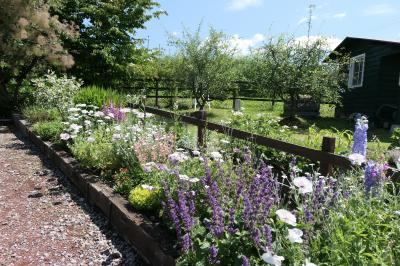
(328, 160)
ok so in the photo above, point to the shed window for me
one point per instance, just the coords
(356, 71)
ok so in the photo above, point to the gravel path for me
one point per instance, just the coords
(44, 221)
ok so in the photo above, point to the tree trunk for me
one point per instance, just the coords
(5, 99)
(20, 78)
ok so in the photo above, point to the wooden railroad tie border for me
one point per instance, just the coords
(138, 230)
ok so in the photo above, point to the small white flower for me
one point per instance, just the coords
(111, 115)
(148, 187)
(269, 258)
(309, 263)
(91, 139)
(184, 177)
(81, 105)
(225, 141)
(238, 113)
(286, 217)
(75, 128)
(126, 110)
(357, 159)
(177, 157)
(216, 156)
(294, 127)
(73, 109)
(295, 235)
(397, 212)
(196, 153)
(65, 136)
(117, 128)
(305, 186)
(87, 122)
(99, 114)
(194, 180)
(84, 111)
(116, 137)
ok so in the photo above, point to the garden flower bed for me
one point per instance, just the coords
(151, 241)
(224, 204)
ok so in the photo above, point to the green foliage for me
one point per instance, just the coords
(124, 182)
(36, 114)
(97, 96)
(295, 72)
(206, 66)
(55, 92)
(144, 198)
(49, 131)
(98, 154)
(107, 44)
(395, 138)
(360, 232)
(30, 38)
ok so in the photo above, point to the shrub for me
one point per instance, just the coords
(145, 198)
(49, 131)
(124, 182)
(36, 114)
(98, 153)
(395, 137)
(360, 232)
(55, 92)
(97, 96)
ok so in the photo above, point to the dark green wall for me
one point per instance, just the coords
(379, 78)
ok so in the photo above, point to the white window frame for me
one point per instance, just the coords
(353, 60)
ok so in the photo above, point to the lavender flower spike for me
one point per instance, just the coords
(245, 261)
(360, 136)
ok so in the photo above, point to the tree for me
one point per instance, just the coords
(296, 72)
(29, 37)
(205, 65)
(106, 46)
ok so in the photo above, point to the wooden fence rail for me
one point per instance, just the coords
(325, 156)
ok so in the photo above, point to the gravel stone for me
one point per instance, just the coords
(57, 228)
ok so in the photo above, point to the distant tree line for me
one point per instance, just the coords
(95, 40)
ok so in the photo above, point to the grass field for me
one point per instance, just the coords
(379, 139)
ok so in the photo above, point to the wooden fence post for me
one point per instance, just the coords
(201, 129)
(157, 81)
(328, 145)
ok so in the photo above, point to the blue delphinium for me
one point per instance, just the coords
(373, 178)
(360, 136)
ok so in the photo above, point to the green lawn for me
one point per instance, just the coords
(222, 110)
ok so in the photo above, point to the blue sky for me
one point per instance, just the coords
(251, 21)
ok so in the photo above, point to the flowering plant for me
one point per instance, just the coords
(55, 92)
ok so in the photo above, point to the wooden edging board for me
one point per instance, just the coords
(152, 243)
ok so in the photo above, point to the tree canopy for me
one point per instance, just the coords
(205, 65)
(296, 72)
(107, 45)
(29, 37)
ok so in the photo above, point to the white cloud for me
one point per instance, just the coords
(243, 46)
(381, 9)
(339, 15)
(332, 42)
(305, 19)
(242, 4)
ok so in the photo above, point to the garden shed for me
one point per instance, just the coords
(373, 85)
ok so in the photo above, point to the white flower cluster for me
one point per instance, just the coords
(82, 119)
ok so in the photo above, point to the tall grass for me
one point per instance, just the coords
(97, 96)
